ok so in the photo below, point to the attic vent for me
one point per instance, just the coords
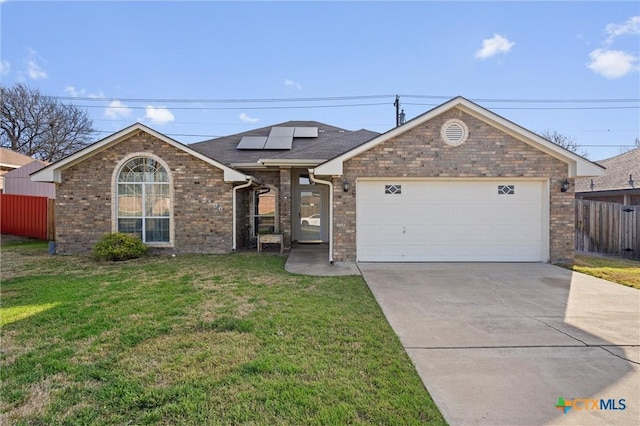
(454, 132)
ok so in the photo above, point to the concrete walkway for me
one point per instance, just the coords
(313, 259)
(498, 344)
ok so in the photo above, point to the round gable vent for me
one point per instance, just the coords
(454, 132)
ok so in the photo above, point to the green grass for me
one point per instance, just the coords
(621, 271)
(230, 339)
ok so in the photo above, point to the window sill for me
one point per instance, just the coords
(159, 245)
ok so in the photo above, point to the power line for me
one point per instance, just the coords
(543, 108)
(221, 101)
(237, 108)
(219, 136)
(521, 101)
(334, 98)
(171, 134)
(225, 108)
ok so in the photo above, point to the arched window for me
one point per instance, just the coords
(144, 201)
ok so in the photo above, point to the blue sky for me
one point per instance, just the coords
(168, 64)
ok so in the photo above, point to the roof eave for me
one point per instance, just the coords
(10, 165)
(577, 165)
(291, 162)
(248, 166)
(52, 173)
(612, 191)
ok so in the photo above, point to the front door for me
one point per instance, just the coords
(310, 223)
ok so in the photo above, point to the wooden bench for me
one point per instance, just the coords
(270, 239)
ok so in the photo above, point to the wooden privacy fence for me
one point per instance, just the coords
(27, 216)
(608, 228)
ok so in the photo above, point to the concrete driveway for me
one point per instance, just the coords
(498, 344)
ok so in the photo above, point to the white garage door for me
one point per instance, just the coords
(452, 220)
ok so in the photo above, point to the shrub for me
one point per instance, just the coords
(119, 246)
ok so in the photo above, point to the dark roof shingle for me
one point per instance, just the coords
(331, 142)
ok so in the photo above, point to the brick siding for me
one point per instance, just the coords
(488, 152)
(202, 203)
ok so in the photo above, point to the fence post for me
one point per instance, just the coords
(51, 230)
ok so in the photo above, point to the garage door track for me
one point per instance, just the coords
(500, 343)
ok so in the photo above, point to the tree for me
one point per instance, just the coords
(40, 126)
(567, 142)
(635, 145)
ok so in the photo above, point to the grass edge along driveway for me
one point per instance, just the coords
(614, 269)
(197, 339)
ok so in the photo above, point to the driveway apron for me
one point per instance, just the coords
(500, 343)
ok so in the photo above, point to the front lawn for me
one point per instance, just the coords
(196, 340)
(618, 270)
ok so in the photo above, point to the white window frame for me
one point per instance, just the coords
(114, 197)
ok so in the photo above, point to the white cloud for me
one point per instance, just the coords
(5, 67)
(611, 63)
(246, 119)
(290, 84)
(72, 91)
(630, 27)
(160, 115)
(117, 109)
(493, 46)
(34, 70)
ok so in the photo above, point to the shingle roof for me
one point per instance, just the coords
(8, 156)
(616, 176)
(331, 141)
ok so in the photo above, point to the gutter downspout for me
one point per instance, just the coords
(235, 189)
(326, 182)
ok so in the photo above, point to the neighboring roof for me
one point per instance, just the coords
(52, 173)
(616, 177)
(28, 169)
(331, 141)
(12, 159)
(577, 165)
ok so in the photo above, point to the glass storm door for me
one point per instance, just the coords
(310, 216)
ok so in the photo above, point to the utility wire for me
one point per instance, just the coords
(544, 101)
(530, 108)
(225, 108)
(333, 98)
(221, 101)
(237, 108)
(220, 136)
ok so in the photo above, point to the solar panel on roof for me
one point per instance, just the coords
(252, 142)
(279, 142)
(282, 131)
(279, 138)
(305, 132)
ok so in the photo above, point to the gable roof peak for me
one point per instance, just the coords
(578, 166)
(52, 173)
